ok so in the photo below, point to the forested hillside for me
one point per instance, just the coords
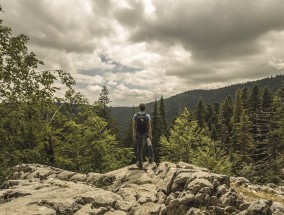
(190, 98)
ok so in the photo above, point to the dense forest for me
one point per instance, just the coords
(240, 135)
(190, 98)
(243, 136)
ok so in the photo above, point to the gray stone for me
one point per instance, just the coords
(216, 210)
(193, 211)
(260, 207)
(213, 201)
(201, 198)
(222, 189)
(180, 181)
(239, 181)
(65, 175)
(197, 184)
(148, 208)
(228, 199)
(122, 205)
(142, 200)
(230, 209)
(186, 199)
(244, 206)
(118, 212)
(78, 177)
(277, 208)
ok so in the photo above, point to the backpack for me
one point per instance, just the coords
(142, 123)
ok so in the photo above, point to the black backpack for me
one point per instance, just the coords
(142, 123)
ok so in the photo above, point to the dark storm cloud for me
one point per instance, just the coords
(62, 26)
(209, 29)
(132, 16)
(223, 72)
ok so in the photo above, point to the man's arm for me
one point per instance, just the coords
(150, 129)
(133, 129)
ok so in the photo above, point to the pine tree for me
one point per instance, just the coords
(263, 146)
(224, 123)
(235, 121)
(163, 119)
(242, 141)
(238, 107)
(200, 113)
(127, 141)
(245, 98)
(254, 108)
(277, 135)
(209, 112)
(266, 100)
(101, 105)
(156, 132)
(189, 143)
(255, 99)
(214, 119)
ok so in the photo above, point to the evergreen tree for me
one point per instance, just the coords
(163, 120)
(242, 142)
(156, 132)
(101, 105)
(277, 134)
(263, 153)
(90, 147)
(188, 142)
(200, 113)
(238, 108)
(214, 120)
(266, 100)
(241, 139)
(127, 141)
(209, 112)
(255, 100)
(245, 98)
(224, 123)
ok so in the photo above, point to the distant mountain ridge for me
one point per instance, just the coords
(190, 98)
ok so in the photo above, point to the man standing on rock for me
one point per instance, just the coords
(142, 132)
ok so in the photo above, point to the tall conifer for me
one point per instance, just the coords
(162, 110)
(156, 131)
(200, 113)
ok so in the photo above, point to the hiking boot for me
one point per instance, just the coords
(139, 165)
(150, 160)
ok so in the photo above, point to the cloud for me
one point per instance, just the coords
(209, 29)
(144, 49)
(67, 26)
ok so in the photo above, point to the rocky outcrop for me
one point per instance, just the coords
(167, 189)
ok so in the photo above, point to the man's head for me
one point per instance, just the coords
(142, 107)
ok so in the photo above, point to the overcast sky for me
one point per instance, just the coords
(144, 49)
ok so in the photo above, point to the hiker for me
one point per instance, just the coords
(142, 132)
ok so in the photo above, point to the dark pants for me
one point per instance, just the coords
(141, 139)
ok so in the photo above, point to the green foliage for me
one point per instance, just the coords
(37, 126)
(211, 156)
(189, 143)
(101, 106)
(90, 147)
(163, 127)
(200, 113)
